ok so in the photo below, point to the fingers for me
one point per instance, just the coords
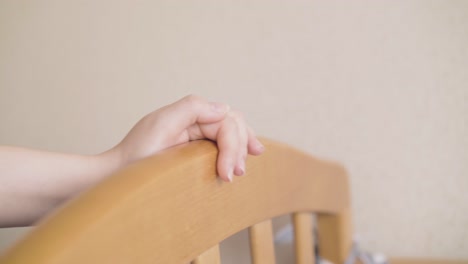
(191, 110)
(193, 118)
(201, 119)
(239, 169)
(255, 147)
(228, 140)
(235, 140)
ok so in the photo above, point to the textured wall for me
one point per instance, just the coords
(381, 86)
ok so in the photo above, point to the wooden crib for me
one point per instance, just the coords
(172, 208)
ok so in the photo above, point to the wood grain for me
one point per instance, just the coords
(171, 207)
(211, 256)
(335, 235)
(262, 247)
(303, 237)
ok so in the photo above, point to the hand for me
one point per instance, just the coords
(193, 118)
(29, 192)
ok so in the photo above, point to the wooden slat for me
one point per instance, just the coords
(334, 235)
(211, 256)
(304, 239)
(262, 248)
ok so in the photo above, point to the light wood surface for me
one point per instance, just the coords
(211, 256)
(262, 247)
(335, 235)
(170, 208)
(425, 261)
(303, 238)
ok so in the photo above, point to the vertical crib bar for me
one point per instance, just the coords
(334, 235)
(262, 248)
(211, 256)
(304, 239)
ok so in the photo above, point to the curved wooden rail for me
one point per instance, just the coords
(171, 207)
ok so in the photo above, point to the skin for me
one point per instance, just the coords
(34, 182)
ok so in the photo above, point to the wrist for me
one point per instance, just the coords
(110, 161)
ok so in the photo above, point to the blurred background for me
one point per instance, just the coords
(380, 86)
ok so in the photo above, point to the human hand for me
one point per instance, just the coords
(193, 118)
(61, 176)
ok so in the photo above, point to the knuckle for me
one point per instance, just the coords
(193, 100)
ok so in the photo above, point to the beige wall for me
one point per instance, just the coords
(381, 86)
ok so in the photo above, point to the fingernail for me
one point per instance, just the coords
(242, 167)
(219, 107)
(239, 171)
(260, 147)
(230, 175)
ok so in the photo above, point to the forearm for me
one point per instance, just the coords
(34, 182)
